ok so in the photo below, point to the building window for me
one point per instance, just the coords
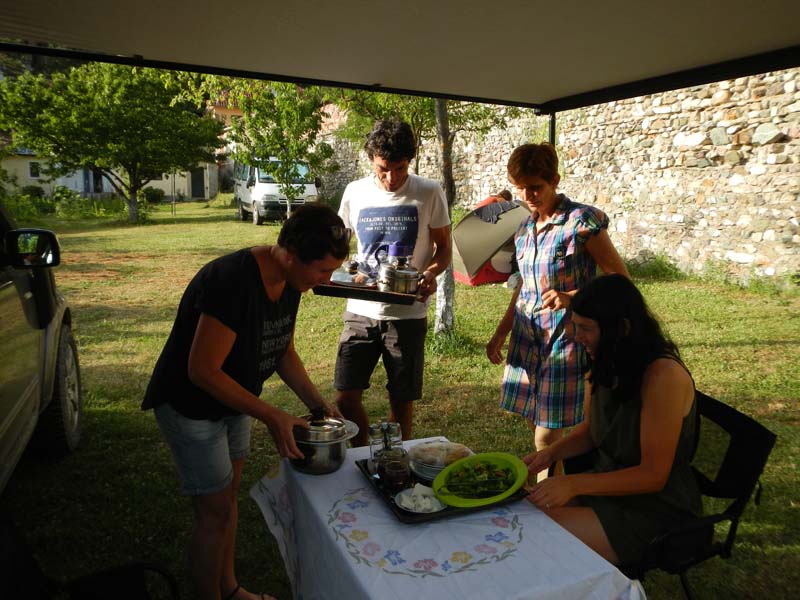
(33, 170)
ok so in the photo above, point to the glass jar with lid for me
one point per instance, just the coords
(394, 435)
(394, 470)
(375, 435)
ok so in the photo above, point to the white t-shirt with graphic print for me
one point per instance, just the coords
(406, 216)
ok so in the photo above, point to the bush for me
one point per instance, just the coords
(226, 185)
(71, 204)
(153, 195)
(30, 203)
(654, 267)
(34, 191)
(21, 207)
(35, 195)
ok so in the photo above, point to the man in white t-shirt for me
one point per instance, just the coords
(389, 206)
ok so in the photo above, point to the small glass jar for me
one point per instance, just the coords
(394, 470)
(394, 435)
(376, 445)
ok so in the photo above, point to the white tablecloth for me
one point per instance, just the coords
(339, 540)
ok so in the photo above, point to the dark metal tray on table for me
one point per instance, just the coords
(406, 516)
(363, 293)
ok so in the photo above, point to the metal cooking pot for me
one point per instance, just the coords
(393, 278)
(323, 444)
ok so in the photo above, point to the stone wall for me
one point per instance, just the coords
(708, 177)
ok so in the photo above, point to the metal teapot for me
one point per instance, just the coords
(395, 272)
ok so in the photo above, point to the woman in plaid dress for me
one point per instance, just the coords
(559, 248)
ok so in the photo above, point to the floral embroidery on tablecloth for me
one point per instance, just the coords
(499, 541)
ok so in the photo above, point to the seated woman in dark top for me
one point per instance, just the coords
(233, 330)
(640, 426)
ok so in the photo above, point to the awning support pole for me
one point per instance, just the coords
(552, 129)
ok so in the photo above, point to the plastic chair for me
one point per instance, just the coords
(735, 448)
(21, 577)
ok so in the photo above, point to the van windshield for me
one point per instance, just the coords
(302, 172)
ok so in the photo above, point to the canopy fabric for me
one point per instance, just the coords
(475, 240)
(547, 55)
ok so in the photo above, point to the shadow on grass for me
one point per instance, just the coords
(116, 499)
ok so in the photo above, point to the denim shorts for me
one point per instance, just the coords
(203, 450)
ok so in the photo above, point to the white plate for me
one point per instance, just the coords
(427, 473)
(407, 492)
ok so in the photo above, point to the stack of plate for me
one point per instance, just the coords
(424, 471)
(428, 459)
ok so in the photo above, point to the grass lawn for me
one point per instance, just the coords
(115, 499)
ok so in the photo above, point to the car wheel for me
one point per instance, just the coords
(241, 213)
(257, 218)
(60, 424)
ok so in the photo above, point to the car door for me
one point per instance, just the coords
(240, 190)
(20, 383)
(248, 186)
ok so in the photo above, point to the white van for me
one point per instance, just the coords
(259, 197)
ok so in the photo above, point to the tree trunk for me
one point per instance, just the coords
(445, 296)
(133, 205)
(129, 192)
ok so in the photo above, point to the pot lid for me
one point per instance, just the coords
(403, 273)
(321, 429)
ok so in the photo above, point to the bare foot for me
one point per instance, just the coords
(243, 594)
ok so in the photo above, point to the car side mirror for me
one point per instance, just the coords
(251, 181)
(27, 248)
(318, 182)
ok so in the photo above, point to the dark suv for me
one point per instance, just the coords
(40, 384)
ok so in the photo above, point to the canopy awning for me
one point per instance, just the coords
(548, 55)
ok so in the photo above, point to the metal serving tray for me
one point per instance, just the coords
(363, 293)
(405, 516)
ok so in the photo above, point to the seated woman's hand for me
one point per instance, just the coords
(552, 492)
(538, 461)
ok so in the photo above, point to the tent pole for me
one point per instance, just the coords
(552, 129)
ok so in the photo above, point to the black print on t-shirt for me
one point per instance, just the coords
(275, 339)
(379, 225)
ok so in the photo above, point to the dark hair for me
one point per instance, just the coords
(537, 160)
(630, 335)
(392, 140)
(505, 195)
(313, 231)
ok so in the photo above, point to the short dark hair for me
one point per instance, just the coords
(630, 335)
(505, 195)
(533, 160)
(313, 231)
(392, 140)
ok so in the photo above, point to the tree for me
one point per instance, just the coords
(280, 120)
(445, 297)
(364, 108)
(429, 119)
(120, 121)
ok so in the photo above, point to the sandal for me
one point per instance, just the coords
(234, 592)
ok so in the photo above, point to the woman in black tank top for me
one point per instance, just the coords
(640, 430)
